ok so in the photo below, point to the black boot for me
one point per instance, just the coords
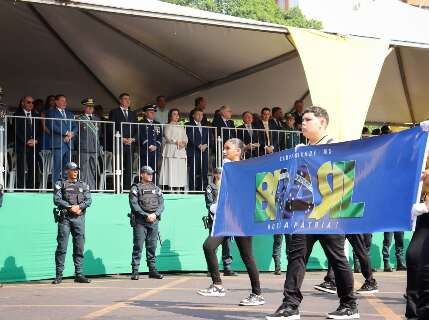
(400, 265)
(356, 268)
(135, 275)
(228, 272)
(277, 268)
(153, 274)
(58, 279)
(387, 267)
(80, 278)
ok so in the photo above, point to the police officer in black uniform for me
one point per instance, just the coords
(72, 197)
(147, 204)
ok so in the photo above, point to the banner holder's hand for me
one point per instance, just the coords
(425, 125)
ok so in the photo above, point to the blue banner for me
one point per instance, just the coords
(360, 186)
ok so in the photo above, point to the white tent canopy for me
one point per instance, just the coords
(104, 47)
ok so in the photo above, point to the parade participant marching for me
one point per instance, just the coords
(72, 197)
(315, 121)
(233, 151)
(211, 194)
(147, 204)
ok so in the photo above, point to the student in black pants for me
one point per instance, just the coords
(233, 151)
(360, 249)
(315, 122)
(417, 293)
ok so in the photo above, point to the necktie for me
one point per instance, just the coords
(28, 115)
(126, 114)
(63, 113)
(200, 129)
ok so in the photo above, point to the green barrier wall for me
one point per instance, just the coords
(28, 238)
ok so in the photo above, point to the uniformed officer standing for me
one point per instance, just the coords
(147, 204)
(89, 143)
(72, 197)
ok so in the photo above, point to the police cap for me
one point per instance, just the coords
(88, 102)
(149, 107)
(146, 169)
(72, 166)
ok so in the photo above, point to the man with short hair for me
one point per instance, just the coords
(122, 117)
(147, 204)
(224, 125)
(279, 125)
(26, 143)
(63, 132)
(150, 140)
(250, 137)
(197, 152)
(161, 110)
(297, 112)
(292, 134)
(269, 141)
(89, 143)
(315, 122)
(72, 197)
(200, 103)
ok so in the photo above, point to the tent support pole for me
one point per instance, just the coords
(404, 83)
(238, 75)
(144, 46)
(70, 50)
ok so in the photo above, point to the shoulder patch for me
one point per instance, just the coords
(134, 190)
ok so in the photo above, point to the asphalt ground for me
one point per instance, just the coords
(175, 298)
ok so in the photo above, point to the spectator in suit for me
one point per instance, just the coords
(297, 111)
(269, 141)
(88, 143)
(26, 128)
(250, 137)
(200, 104)
(278, 123)
(150, 140)
(161, 110)
(222, 122)
(197, 151)
(293, 136)
(128, 132)
(63, 131)
(46, 134)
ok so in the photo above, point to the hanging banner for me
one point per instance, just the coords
(360, 186)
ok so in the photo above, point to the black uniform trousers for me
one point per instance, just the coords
(147, 233)
(368, 240)
(277, 247)
(244, 245)
(360, 249)
(226, 252)
(27, 168)
(418, 271)
(399, 245)
(300, 246)
(76, 226)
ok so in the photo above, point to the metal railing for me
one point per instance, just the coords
(183, 157)
(34, 150)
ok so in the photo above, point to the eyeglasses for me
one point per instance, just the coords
(29, 102)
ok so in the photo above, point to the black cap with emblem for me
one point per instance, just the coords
(71, 166)
(88, 102)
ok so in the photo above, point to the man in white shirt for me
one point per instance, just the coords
(161, 110)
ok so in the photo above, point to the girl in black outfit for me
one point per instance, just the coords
(233, 151)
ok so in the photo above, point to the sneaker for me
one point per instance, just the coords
(252, 300)
(212, 291)
(344, 312)
(327, 286)
(368, 287)
(284, 313)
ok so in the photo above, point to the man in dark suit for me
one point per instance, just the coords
(224, 125)
(150, 140)
(88, 143)
(200, 104)
(63, 131)
(250, 137)
(277, 122)
(198, 153)
(269, 141)
(26, 129)
(128, 134)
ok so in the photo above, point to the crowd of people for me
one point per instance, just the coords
(183, 153)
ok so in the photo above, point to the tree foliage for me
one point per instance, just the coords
(261, 10)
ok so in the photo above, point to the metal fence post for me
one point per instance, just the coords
(118, 171)
(2, 152)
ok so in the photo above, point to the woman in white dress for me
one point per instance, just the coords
(174, 159)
